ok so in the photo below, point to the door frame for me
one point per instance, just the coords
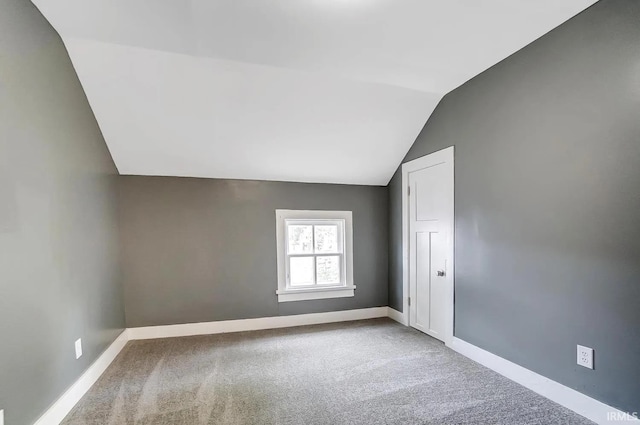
(444, 155)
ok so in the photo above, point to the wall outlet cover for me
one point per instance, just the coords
(585, 356)
(78, 349)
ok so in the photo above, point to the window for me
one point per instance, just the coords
(314, 255)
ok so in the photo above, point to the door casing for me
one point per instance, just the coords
(444, 155)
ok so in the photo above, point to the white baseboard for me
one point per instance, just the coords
(61, 408)
(396, 315)
(565, 396)
(224, 326)
(583, 405)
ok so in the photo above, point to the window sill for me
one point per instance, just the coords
(315, 293)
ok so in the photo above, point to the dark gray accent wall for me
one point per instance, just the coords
(198, 250)
(547, 192)
(59, 275)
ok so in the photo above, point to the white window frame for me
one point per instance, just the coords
(346, 288)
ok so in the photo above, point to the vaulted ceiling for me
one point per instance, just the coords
(331, 91)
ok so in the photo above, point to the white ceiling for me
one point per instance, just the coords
(331, 91)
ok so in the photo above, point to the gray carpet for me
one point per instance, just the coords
(368, 372)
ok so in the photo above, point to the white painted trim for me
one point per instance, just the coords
(571, 399)
(315, 294)
(394, 314)
(286, 294)
(405, 245)
(565, 396)
(224, 326)
(443, 155)
(61, 407)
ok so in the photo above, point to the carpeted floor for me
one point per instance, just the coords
(368, 372)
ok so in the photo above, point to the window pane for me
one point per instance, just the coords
(300, 271)
(300, 239)
(328, 269)
(326, 238)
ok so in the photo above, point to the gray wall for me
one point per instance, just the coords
(197, 250)
(59, 278)
(548, 203)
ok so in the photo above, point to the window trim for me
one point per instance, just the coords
(323, 291)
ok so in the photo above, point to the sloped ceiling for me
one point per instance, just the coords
(331, 91)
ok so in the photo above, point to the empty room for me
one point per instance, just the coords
(309, 212)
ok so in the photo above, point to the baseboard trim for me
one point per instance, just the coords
(63, 405)
(225, 326)
(396, 315)
(583, 405)
(565, 396)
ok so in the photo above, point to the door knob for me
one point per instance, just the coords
(440, 273)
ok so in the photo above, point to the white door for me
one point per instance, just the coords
(430, 194)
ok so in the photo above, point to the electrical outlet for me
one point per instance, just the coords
(585, 357)
(78, 349)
